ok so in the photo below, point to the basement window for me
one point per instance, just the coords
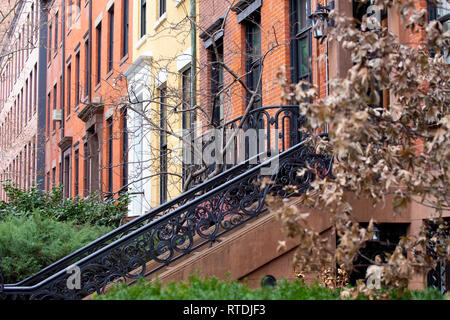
(386, 237)
(438, 277)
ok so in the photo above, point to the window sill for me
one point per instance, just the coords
(160, 21)
(140, 42)
(109, 74)
(178, 2)
(123, 60)
(97, 87)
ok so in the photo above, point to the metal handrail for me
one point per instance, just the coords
(156, 212)
(145, 218)
(130, 249)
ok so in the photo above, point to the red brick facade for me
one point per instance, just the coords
(275, 36)
(81, 153)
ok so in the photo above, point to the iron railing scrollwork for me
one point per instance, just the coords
(168, 238)
(269, 118)
(282, 126)
(197, 217)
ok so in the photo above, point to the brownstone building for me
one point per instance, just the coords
(258, 36)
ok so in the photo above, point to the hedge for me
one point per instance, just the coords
(52, 204)
(211, 288)
(28, 244)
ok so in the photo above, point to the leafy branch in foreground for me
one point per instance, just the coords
(212, 288)
(398, 153)
(52, 204)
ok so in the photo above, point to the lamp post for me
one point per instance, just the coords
(320, 19)
(376, 233)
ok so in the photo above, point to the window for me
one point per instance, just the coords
(188, 119)
(99, 52)
(217, 80)
(35, 88)
(26, 104)
(67, 171)
(163, 147)
(441, 12)
(87, 169)
(143, 17)
(32, 23)
(253, 57)
(125, 28)
(48, 113)
(69, 16)
(301, 42)
(48, 179)
(385, 239)
(69, 87)
(61, 95)
(77, 172)
(438, 277)
(77, 79)
(162, 7)
(186, 96)
(110, 155)
(56, 31)
(87, 77)
(55, 100)
(124, 149)
(49, 42)
(111, 39)
(53, 177)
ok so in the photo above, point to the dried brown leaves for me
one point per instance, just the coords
(400, 149)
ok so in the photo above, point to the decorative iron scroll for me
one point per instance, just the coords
(285, 119)
(188, 227)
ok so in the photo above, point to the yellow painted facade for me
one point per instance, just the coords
(165, 43)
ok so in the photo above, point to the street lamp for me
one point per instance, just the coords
(320, 20)
(376, 233)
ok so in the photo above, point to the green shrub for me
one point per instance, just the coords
(28, 244)
(212, 288)
(52, 204)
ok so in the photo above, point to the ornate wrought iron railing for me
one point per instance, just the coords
(173, 230)
(275, 128)
(168, 238)
(256, 118)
